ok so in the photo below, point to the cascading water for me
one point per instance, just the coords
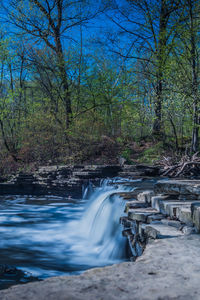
(98, 238)
(50, 236)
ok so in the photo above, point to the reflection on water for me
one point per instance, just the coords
(51, 236)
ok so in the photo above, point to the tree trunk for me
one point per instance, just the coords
(65, 84)
(157, 126)
(161, 49)
(193, 42)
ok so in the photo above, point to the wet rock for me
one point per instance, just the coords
(126, 222)
(184, 214)
(10, 275)
(160, 230)
(173, 223)
(128, 195)
(180, 187)
(139, 170)
(57, 180)
(157, 202)
(135, 204)
(188, 197)
(141, 214)
(187, 230)
(155, 217)
(196, 215)
(145, 196)
(170, 208)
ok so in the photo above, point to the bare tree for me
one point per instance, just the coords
(150, 29)
(50, 22)
(193, 11)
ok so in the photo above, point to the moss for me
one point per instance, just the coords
(126, 153)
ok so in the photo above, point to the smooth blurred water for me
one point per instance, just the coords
(51, 236)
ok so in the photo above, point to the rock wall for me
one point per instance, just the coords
(68, 180)
(171, 209)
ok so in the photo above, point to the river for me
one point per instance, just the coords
(53, 236)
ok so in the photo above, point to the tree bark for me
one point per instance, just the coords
(193, 42)
(65, 85)
(160, 61)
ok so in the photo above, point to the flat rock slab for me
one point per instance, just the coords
(183, 187)
(159, 202)
(127, 195)
(145, 196)
(135, 204)
(170, 208)
(196, 215)
(168, 269)
(141, 214)
(161, 231)
(184, 214)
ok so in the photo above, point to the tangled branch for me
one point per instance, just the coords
(186, 167)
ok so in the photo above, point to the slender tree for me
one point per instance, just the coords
(193, 11)
(150, 28)
(186, 55)
(50, 22)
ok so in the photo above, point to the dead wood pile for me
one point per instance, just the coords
(187, 166)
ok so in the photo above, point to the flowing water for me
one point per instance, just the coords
(50, 236)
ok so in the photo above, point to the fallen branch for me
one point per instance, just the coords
(187, 166)
(169, 170)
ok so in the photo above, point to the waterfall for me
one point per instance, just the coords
(96, 238)
(51, 236)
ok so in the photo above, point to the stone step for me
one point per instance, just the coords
(135, 204)
(86, 174)
(180, 187)
(128, 195)
(126, 222)
(155, 217)
(156, 200)
(173, 223)
(184, 215)
(140, 214)
(195, 208)
(127, 233)
(188, 197)
(160, 203)
(170, 208)
(145, 196)
(159, 231)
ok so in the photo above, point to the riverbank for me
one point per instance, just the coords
(168, 269)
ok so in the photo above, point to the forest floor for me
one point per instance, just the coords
(106, 151)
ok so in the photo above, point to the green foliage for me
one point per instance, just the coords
(126, 153)
(113, 98)
(152, 154)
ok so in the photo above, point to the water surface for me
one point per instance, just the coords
(51, 236)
